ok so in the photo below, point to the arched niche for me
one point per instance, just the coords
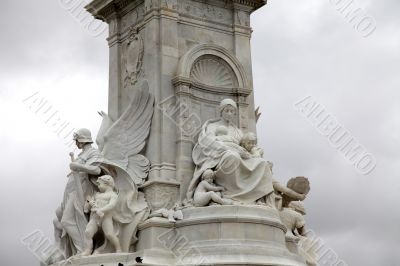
(188, 60)
(206, 74)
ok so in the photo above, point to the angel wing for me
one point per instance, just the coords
(121, 141)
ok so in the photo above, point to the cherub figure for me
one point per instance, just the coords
(207, 191)
(292, 218)
(172, 215)
(100, 207)
(247, 147)
(249, 142)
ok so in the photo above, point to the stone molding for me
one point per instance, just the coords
(102, 9)
(186, 62)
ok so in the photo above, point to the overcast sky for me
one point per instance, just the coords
(299, 49)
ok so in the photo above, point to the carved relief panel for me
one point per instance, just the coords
(132, 59)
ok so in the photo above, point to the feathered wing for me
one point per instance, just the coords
(126, 137)
(131, 207)
(105, 126)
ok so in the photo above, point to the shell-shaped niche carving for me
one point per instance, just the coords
(213, 71)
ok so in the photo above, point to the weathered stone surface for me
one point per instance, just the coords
(195, 58)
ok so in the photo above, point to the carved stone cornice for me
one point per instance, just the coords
(103, 9)
(256, 4)
(181, 84)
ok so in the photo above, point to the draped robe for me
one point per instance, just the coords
(245, 179)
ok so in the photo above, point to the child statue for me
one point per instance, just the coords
(207, 191)
(100, 207)
(249, 142)
(292, 218)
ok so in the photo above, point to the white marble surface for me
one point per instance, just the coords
(193, 54)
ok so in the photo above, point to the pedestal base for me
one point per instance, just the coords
(214, 235)
(218, 235)
(120, 259)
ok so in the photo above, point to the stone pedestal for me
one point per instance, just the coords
(217, 235)
(161, 194)
(213, 235)
(122, 259)
(193, 53)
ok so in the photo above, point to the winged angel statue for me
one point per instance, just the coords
(118, 155)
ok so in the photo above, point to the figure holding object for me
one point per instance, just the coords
(101, 207)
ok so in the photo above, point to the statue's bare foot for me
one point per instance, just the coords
(235, 202)
(227, 202)
(96, 252)
(86, 253)
(259, 202)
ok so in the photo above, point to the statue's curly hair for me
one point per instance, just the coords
(107, 179)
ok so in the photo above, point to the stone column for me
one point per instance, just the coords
(242, 47)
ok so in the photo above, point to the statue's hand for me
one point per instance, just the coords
(302, 197)
(92, 203)
(245, 155)
(74, 167)
(100, 213)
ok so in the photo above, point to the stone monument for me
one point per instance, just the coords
(178, 177)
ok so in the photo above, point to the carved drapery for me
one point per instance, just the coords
(206, 75)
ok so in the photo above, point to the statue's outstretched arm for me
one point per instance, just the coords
(210, 187)
(90, 169)
(288, 192)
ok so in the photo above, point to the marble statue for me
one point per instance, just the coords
(292, 218)
(71, 221)
(207, 191)
(172, 214)
(249, 142)
(101, 207)
(291, 211)
(146, 193)
(118, 158)
(296, 189)
(244, 177)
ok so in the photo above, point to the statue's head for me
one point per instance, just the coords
(104, 182)
(82, 137)
(208, 175)
(249, 141)
(227, 109)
